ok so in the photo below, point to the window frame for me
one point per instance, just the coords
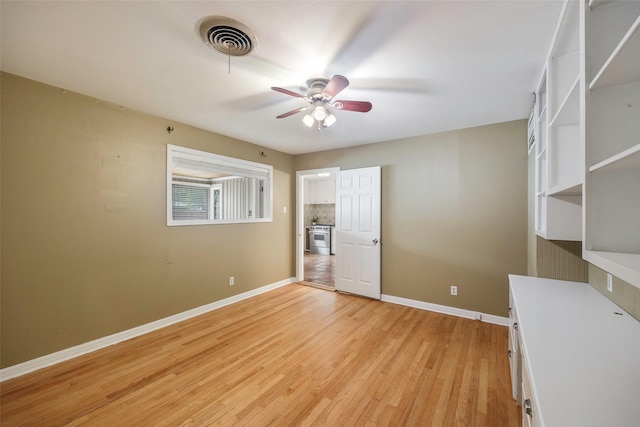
(252, 169)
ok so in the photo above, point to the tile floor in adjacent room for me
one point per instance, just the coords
(319, 269)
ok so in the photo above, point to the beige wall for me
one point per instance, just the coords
(86, 251)
(85, 247)
(454, 212)
(624, 294)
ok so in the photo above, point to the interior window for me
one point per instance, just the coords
(207, 188)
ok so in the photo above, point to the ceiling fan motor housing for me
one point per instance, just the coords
(315, 87)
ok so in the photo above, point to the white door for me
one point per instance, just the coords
(358, 232)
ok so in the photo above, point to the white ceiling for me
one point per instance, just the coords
(427, 66)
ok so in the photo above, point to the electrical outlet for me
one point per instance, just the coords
(284, 209)
(232, 281)
(609, 282)
(454, 290)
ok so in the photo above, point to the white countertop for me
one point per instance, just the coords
(584, 359)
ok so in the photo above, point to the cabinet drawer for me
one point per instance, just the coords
(514, 354)
(530, 416)
(515, 377)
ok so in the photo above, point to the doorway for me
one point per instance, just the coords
(315, 225)
(356, 214)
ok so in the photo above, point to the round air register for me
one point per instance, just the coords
(227, 36)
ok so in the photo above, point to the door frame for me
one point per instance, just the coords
(300, 231)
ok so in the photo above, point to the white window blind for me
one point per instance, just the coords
(190, 202)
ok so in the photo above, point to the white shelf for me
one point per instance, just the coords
(566, 160)
(559, 165)
(613, 211)
(573, 189)
(612, 187)
(613, 121)
(625, 266)
(623, 66)
(568, 112)
(628, 159)
(563, 72)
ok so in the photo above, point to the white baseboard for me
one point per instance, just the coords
(88, 347)
(444, 309)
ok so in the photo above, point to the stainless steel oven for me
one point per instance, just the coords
(320, 239)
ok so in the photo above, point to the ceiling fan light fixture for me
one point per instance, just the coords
(331, 119)
(320, 113)
(320, 116)
(308, 120)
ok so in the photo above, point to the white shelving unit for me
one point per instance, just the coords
(587, 135)
(540, 112)
(559, 150)
(566, 170)
(612, 117)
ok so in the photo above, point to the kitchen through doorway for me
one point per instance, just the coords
(316, 227)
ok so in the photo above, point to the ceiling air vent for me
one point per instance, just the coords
(227, 35)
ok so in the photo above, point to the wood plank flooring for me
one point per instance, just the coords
(293, 356)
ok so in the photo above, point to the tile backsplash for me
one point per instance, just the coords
(326, 214)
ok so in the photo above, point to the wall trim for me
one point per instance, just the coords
(91, 346)
(444, 309)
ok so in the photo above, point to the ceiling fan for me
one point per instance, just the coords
(320, 98)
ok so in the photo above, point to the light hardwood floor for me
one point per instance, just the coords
(293, 356)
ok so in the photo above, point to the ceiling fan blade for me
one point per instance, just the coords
(292, 112)
(358, 106)
(287, 92)
(335, 86)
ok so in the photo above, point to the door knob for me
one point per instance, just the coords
(375, 241)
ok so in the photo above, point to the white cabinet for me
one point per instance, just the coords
(580, 355)
(515, 359)
(612, 137)
(320, 191)
(521, 388)
(530, 415)
(559, 148)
